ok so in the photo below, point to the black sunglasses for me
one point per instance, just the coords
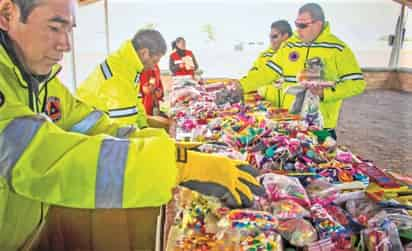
(303, 25)
(274, 36)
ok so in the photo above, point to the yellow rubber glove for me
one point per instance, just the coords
(230, 180)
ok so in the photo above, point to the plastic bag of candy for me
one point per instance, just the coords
(280, 187)
(346, 196)
(262, 241)
(256, 241)
(184, 95)
(328, 227)
(282, 209)
(249, 229)
(343, 217)
(199, 242)
(221, 149)
(375, 239)
(246, 221)
(382, 222)
(362, 210)
(299, 232)
(322, 245)
(196, 212)
(401, 219)
(288, 209)
(321, 188)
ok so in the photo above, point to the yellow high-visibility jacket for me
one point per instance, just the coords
(72, 161)
(263, 57)
(113, 87)
(340, 66)
(267, 91)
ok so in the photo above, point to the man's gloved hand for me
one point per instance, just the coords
(232, 93)
(299, 92)
(230, 180)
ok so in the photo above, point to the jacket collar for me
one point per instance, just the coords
(270, 50)
(7, 61)
(325, 33)
(130, 58)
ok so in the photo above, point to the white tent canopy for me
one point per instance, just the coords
(245, 24)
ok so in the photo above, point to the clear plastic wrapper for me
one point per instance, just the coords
(288, 209)
(322, 245)
(362, 210)
(280, 187)
(282, 209)
(375, 239)
(247, 221)
(221, 149)
(249, 230)
(328, 227)
(401, 220)
(346, 196)
(343, 218)
(321, 188)
(299, 232)
(382, 222)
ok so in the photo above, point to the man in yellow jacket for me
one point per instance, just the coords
(56, 150)
(313, 39)
(114, 85)
(280, 31)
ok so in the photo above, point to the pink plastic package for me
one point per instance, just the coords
(280, 187)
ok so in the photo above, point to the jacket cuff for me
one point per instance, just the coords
(328, 94)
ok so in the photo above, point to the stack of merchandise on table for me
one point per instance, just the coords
(319, 196)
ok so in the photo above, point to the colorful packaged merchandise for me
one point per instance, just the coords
(328, 227)
(299, 232)
(280, 187)
(288, 209)
(315, 189)
(251, 230)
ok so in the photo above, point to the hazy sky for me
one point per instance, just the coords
(362, 24)
(251, 1)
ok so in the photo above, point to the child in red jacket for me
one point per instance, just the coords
(151, 89)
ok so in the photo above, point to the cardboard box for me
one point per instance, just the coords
(69, 229)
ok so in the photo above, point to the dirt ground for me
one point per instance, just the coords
(378, 126)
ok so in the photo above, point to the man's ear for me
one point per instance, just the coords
(143, 53)
(285, 37)
(7, 9)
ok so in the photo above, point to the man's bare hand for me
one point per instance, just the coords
(316, 90)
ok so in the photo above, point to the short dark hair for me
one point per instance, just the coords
(174, 43)
(150, 39)
(315, 11)
(26, 7)
(282, 26)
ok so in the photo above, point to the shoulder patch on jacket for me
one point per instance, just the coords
(53, 108)
(294, 56)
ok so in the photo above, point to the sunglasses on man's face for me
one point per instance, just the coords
(303, 25)
(275, 36)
